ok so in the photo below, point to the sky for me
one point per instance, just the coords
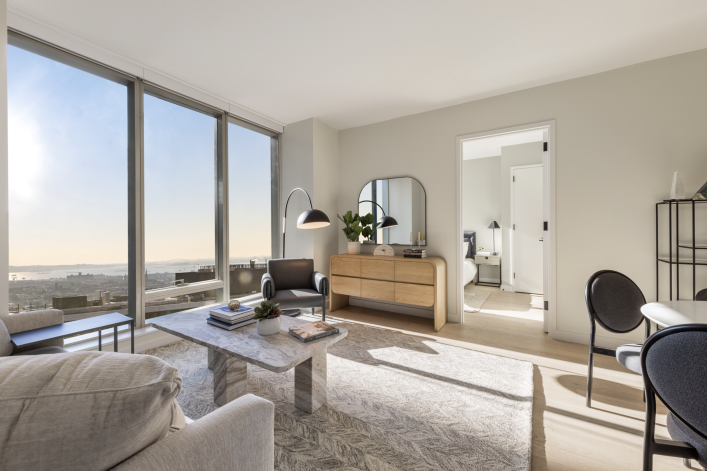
(68, 169)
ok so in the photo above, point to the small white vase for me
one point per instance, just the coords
(354, 248)
(268, 326)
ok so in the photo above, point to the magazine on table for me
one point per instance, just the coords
(312, 331)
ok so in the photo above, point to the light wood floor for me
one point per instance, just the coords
(566, 434)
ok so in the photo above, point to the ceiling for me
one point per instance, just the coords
(491, 146)
(359, 62)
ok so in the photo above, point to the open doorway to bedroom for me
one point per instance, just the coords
(505, 201)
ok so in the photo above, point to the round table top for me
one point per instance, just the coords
(669, 313)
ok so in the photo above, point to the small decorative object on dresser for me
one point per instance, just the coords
(233, 305)
(385, 250)
(268, 316)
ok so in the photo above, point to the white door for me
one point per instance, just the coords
(527, 218)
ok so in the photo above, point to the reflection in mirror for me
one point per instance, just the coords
(402, 199)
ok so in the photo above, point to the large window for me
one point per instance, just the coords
(117, 192)
(250, 221)
(68, 183)
(179, 194)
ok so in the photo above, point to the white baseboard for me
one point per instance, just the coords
(601, 341)
(411, 310)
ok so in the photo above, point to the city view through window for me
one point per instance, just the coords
(68, 195)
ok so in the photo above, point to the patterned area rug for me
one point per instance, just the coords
(473, 300)
(396, 402)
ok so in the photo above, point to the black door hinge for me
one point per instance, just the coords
(544, 225)
(514, 178)
(514, 276)
(544, 146)
(514, 227)
(547, 305)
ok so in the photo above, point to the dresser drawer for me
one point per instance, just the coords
(346, 266)
(419, 295)
(487, 259)
(383, 290)
(414, 272)
(378, 269)
(347, 286)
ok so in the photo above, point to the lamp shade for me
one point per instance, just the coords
(387, 221)
(312, 219)
(493, 225)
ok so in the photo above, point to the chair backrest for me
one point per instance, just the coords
(701, 295)
(674, 365)
(614, 301)
(291, 273)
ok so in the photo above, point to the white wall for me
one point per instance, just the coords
(4, 226)
(326, 193)
(297, 171)
(481, 191)
(310, 160)
(619, 136)
(513, 156)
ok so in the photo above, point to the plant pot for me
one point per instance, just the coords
(354, 248)
(268, 326)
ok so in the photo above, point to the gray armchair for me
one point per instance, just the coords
(24, 321)
(293, 283)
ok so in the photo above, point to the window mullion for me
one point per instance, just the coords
(221, 207)
(136, 205)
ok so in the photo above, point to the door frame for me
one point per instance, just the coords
(549, 209)
(512, 244)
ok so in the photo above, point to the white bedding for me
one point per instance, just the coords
(469, 269)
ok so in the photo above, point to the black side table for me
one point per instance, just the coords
(83, 326)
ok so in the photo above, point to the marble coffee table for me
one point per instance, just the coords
(231, 351)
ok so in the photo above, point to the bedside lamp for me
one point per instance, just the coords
(494, 225)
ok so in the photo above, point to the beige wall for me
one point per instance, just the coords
(619, 137)
(481, 192)
(326, 193)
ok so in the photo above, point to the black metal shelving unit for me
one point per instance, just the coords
(694, 261)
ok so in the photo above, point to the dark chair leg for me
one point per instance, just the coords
(686, 463)
(324, 311)
(590, 374)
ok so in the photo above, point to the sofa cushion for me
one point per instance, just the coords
(5, 342)
(24, 321)
(84, 410)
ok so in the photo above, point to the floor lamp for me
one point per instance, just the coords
(310, 219)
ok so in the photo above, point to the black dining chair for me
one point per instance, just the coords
(614, 301)
(674, 364)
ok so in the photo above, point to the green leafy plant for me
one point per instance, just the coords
(353, 227)
(267, 310)
(369, 226)
(479, 248)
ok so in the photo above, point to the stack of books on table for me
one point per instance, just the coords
(227, 319)
(415, 253)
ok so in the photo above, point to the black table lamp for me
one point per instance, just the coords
(310, 219)
(494, 225)
(386, 221)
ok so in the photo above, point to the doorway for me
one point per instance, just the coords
(521, 197)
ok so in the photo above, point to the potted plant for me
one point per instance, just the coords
(268, 316)
(352, 231)
(369, 227)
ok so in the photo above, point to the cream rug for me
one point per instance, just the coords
(396, 402)
(473, 300)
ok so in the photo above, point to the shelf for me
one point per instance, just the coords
(682, 261)
(697, 246)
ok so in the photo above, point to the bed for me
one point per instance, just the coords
(469, 268)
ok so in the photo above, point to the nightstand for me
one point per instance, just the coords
(489, 260)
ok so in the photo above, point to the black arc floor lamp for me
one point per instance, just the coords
(386, 221)
(310, 219)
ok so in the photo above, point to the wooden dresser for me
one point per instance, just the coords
(417, 281)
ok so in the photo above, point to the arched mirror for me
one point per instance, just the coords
(400, 206)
